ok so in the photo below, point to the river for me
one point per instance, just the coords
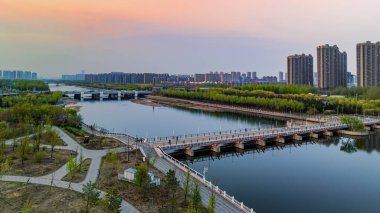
(332, 175)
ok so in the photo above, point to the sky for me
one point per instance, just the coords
(54, 37)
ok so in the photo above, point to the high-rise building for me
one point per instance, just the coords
(281, 77)
(199, 77)
(300, 69)
(249, 76)
(350, 79)
(332, 67)
(368, 64)
(254, 75)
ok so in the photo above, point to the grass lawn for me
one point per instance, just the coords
(80, 175)
(14, 195)
(96, 142)
(132, 192)
(33, 168)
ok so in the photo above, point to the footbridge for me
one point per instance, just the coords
(239, 138)
(106, 94)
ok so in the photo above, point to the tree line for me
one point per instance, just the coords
(9, 101)
(305, 103)
(23, 85)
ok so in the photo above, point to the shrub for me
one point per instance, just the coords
(39, 156)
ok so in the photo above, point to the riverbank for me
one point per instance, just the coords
(210, 107)
(159, 100)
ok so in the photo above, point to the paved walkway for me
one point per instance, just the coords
(221, 204)
(54, 178)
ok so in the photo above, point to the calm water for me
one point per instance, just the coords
(148, 121)
(335, 175)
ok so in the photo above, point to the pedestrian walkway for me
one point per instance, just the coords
(54, 179)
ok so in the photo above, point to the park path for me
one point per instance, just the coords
(54, 179)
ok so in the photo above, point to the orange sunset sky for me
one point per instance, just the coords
(53, 37)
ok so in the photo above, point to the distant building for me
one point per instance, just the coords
(315, 79)
(368, 64)
(19, 75)
(199, 77)
(254, 75)
(269, 80)
(300, 69)
(281, 76)
(350, 79)
(332, 67)
(75, 77)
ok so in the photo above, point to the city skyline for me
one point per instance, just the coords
(147, 36)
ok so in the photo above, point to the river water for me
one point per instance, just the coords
(331, 175)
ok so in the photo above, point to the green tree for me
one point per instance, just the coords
(142, 176)
(38, 136)
(23, 149)
(112, 158)
(187, 184)
(91, 195)
(52, 138)
(355, 123)
(197, 199)
(112, 201)
(5, 167)
(27, 207)
(211, 204)
(72, 167)
(190, 207)
(171, 185)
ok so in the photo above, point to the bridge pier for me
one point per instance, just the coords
(297, 137)
(368, 128)
(239, 145)
(313, 135)
(189, 152)
(261, 142)
(328, 133)
(215, 148)
(118, 95)
(280, 139)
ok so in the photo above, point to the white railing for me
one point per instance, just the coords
(195, 174)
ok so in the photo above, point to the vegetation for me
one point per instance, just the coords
(23, 85)
(355, 123)
(25, 161)
(41, 198)
(278, 88)
(112, 201)
(368, 93)
(52, 98)
(214, 96)
(167, 197)
(211, 204)
(277, 98)
(96, 142)
(91, 195)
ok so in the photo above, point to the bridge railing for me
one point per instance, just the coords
(249, 136)
(103, 131)
(195, 174)
(224, 134)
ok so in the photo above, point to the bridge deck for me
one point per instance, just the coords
(179, 142)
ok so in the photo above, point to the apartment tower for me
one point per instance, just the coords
(332, 67)
(368, 64)
(300, 69)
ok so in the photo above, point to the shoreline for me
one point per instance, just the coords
(211, 107)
